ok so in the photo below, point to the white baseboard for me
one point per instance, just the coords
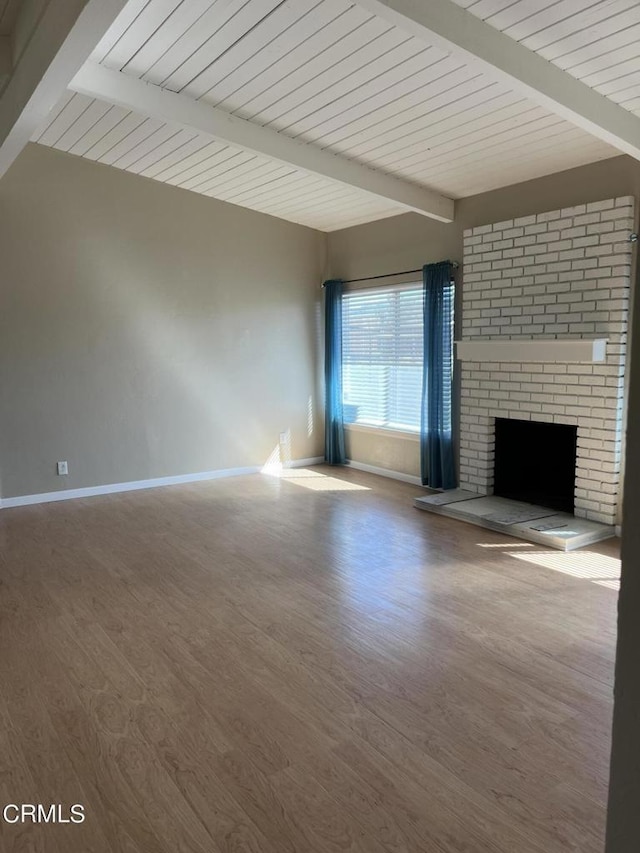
(385, 472)
(136, 485)
(303, 463)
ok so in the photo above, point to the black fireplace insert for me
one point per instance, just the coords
(536, 462)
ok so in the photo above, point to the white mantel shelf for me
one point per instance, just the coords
(534, 350)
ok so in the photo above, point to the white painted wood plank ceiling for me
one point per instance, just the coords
(596, 42)
(144, 146)
(332, 75)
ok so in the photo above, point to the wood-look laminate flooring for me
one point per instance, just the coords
(300, 664)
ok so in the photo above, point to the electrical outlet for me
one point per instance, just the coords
(283, 438)
(63, 469)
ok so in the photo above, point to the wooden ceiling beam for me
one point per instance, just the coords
(114, 87)
(60, 43)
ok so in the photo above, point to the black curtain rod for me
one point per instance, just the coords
(454, 264)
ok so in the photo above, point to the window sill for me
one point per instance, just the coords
(385, 432)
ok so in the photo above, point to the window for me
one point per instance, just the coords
(382, 345)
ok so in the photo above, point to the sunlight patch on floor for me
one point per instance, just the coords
(314, 480)
(505, 545)
(587, 565)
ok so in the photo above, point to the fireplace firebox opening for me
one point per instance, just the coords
(535, 462)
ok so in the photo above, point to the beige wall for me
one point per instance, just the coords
(370, 447)
(147, 331)
(409, 241)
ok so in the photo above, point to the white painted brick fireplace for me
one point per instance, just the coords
(564, 274)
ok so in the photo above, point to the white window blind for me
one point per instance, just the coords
(447, 360)
(382, 350)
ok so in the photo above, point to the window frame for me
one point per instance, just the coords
(380, 429)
